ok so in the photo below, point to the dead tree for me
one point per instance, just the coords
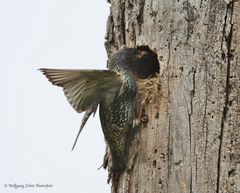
(191, 142)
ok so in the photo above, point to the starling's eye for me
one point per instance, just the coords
(146, 63)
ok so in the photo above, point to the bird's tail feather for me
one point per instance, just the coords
(118, 161)
(87, 114)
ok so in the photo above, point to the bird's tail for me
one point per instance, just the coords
(118, 161)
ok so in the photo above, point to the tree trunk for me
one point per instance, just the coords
(191, 142)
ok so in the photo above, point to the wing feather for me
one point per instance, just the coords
(83, 88)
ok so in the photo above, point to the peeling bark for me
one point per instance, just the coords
(192, 140)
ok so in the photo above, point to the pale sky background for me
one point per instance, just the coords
(37, 125)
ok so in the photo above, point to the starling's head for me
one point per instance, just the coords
(142, 62)
(125, 59)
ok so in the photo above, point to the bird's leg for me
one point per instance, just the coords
(139, 110)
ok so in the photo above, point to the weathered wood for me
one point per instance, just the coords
(192, 140)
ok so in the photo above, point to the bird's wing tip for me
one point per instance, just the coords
(41, 69)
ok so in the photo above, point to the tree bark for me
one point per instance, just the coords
(192, 140)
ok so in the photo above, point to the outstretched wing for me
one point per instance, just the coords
(83, 88)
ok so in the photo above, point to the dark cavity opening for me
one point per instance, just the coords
(147, 64)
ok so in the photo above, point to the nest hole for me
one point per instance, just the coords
(146, 71)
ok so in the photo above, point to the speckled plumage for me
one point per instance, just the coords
(113, 90)
(117, 118)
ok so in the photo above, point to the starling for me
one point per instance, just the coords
(113, 90)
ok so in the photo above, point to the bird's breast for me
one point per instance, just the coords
(119, 114)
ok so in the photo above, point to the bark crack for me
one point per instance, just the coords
(169, 101)
(140, 18)
(190, 190)
(224, 33)
(196, 168)
(229, 11)
(190, 124)
(200, 4)
(123, 23)
(190, 138)
(188, 23)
